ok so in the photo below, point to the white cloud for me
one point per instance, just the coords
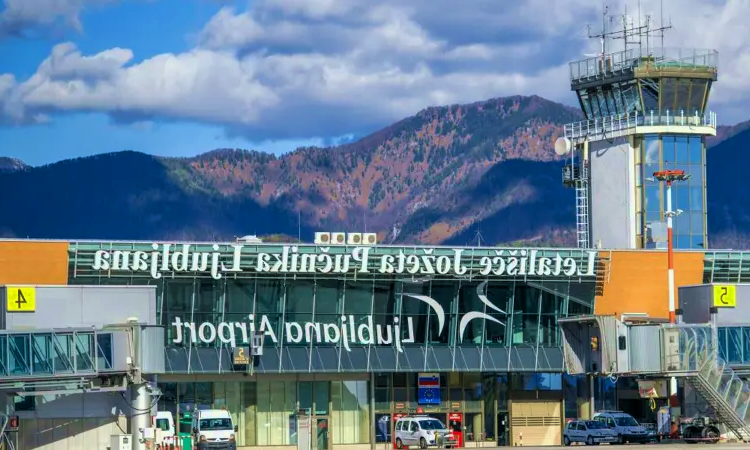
(302, 68)
(21, 16)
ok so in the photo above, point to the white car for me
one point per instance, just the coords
(624, 425)
(589, 431)
(422, 432)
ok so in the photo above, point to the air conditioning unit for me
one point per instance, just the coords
(338, 238)
(323, 238)
(369, 238)
(354, 238)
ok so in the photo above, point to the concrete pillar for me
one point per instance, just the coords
(140, 418)
(592, 404)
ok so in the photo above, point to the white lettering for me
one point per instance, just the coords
(218, 260)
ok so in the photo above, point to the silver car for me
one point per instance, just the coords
(590, 432)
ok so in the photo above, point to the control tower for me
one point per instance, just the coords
(645, 112)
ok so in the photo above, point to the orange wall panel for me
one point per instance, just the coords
(28, 262)
(638, 281)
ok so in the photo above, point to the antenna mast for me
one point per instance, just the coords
(630, 33)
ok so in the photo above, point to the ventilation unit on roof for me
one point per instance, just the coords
(354, 238)
(338, 238)
(322, 237)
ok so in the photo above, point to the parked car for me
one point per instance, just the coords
(627, 428)
(422, 432)
(590, 432)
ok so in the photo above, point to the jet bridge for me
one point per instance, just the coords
(604, 346)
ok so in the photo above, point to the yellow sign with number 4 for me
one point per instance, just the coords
(20, 298)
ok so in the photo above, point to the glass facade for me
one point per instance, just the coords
(381, 321)
(361, 409)
(734, 345)
(348, 346)
(672, 152)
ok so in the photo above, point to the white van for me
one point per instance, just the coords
(215, 424)
(165, 421)
(424, 432)
(627, 428)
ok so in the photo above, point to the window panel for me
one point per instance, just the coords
(734, 344)
(696, 222)
(722, 336)
(696, 96)
(682, 223)
(351, 412)
(695, 150)
(682, 241)
(610, 103)
(680, 197)
(652, 198)
(683, 100)
(651, 147)
(667, 94)
(276, 403)
(269, 295)
(696, 241)
(444, 292)
(681, 150)
(328, 296)
(668, 144)
(745, 344)
(696, 198)
(358, 298)
(696, 175)
(240, 295)
(653, 216)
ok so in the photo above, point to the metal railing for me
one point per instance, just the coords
(617, 125)
(626, 61)
(54, 353)
(726, 393)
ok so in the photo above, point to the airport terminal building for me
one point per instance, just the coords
(350, 331)
(355, 336)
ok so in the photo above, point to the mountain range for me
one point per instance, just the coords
(462, 174)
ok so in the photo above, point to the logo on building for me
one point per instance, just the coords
(468, 317)
(350, 331)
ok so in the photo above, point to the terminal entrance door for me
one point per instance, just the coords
(321, 433)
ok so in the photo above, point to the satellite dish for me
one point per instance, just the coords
(563, 146)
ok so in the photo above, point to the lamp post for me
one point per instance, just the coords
(670, 176)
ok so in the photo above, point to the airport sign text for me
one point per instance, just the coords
(166, 259)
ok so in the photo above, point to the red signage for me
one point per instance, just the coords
(12, 423)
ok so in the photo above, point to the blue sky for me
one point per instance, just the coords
(181, 77)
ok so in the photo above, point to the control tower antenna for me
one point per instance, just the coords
(629, 32)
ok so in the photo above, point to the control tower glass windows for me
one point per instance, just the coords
(672, 97)
(675, 152)
(697, 96)
(619, 98)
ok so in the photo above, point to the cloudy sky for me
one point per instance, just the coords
(180, 77)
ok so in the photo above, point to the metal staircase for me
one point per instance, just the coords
(726, 393)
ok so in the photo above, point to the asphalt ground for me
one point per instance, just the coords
(654, 446)
(642, 446)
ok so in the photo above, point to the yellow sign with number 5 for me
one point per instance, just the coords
(725, 296)
(20, 298)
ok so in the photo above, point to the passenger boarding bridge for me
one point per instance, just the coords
(659, 350)
(73, 359)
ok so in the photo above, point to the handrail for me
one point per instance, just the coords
(634, 119)
(627, 61)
